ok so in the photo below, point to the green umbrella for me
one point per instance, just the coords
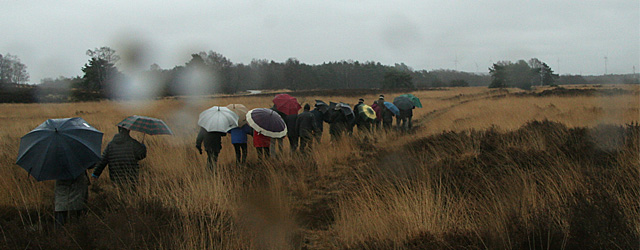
(414, 99)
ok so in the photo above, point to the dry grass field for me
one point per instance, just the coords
(482, 169)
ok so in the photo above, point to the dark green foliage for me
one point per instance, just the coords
(17, 94)
(458, 83)
(521, 74)
(571, 79)
(99, 75)
(396, 79)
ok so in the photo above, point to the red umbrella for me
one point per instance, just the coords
(286, 104)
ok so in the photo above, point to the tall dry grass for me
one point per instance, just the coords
(469, 175)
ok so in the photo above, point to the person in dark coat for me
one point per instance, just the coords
(387, 117)
(239, 141)
(319, 119)
(403, 120)
(122, 155)
(276, 143)
(306, 126)
(362, 123)
(71, 198)
(212, 144)
(339, 123)
(292, 132)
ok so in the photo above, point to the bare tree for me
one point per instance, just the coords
(104, 53)
(12, 70)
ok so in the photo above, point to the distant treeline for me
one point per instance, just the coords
(102, 78)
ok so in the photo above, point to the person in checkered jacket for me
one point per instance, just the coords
(122, 155)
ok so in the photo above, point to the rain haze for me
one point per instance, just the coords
(573, 37)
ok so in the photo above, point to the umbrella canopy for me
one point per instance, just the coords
(344, 108)
(392, 107)
(322, 106)
(267, 122)
(241, 111)
(218, 119)
(367, 112)
(414, 99)
(403, 103)
(147, 125)
(60, 149)
(286, 104)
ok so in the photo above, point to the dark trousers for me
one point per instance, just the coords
(263, 152)
(293, 142)
(305, 143)
(364, 127)
(62, 217)
(318, 136)
(241, 152)
(212, 159)
(387, 124)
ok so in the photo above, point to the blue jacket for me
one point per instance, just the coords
(239, 134)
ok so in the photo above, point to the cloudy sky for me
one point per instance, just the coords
(573, 37)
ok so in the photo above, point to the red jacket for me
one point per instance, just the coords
(260, 141)
(377, 109)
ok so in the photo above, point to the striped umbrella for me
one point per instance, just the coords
(146, 125)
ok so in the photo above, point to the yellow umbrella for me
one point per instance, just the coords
(367, 111)
(241, 111)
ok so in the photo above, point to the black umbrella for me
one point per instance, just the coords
(403, 103)
(344, 108)
(322, 106)
(60, 149)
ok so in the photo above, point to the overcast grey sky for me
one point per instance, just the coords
(573, 37)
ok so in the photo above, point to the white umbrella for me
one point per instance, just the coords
(218, 119)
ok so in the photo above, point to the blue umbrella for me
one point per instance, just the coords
(60, 149)
(392, 107)
(267, 122)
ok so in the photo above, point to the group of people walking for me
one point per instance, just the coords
(305, 128)
(302, 129)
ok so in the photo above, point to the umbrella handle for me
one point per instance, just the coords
(143, 136)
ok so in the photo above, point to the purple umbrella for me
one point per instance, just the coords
(267, 122)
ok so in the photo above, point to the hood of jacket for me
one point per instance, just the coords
(120, 138)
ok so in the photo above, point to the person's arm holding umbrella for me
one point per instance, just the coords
(140, 150)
